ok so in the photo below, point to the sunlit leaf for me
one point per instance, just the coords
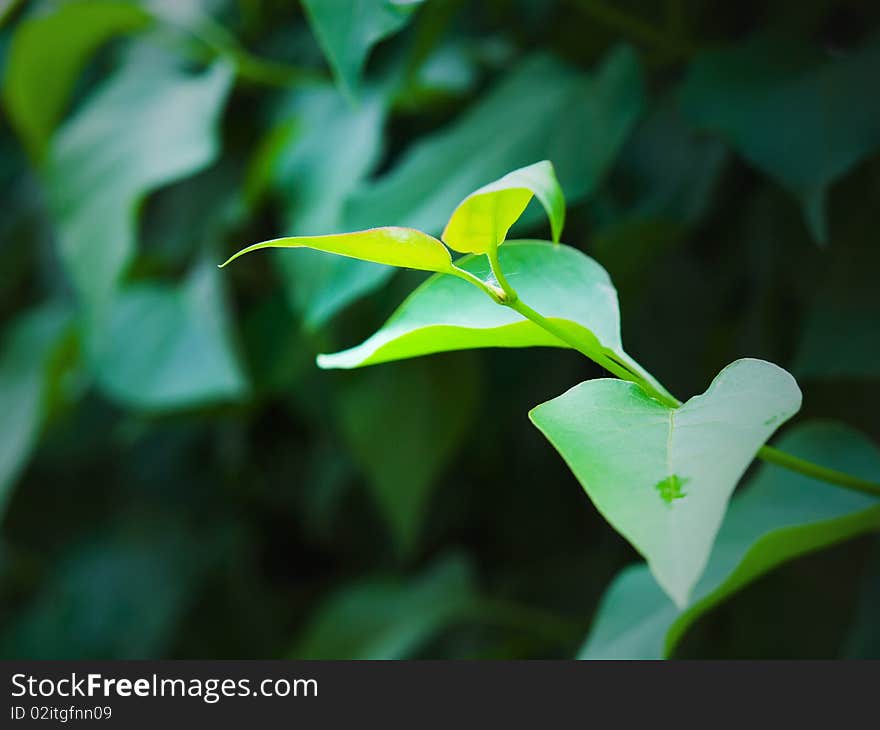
(392, 245)
(403, 424)
(29, 345)
(389, 618)
(348, 29)
(142, 129)
(446, 313)
(800, 117)
(661, 476)
(161, 346)
(780, 515)
(481, 221)
(47, 54)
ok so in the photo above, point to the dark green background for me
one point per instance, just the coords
(411, 510)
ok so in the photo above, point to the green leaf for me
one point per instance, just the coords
(543, 110)
(401, 447)
(348, 29)
(29, 347)
(389, 618)
(447, 313)
(140, 130)
(801, 118)
(392, 245)
(160, 346)
(661, 476)
(481, 221)
(780, 515)
(47, 54)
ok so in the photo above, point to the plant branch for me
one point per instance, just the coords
(773, 455)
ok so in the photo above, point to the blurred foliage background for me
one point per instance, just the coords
(177, 477)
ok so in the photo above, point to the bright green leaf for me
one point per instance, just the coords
(348, 29)
(29, 346)
(661, 476)
(160, 346)
(481, 221)
(801, 118)
(47, 55)
(446, 313)
(389, 618)
(142, 129)
(403, 425)
(779, 516)
(392, 245)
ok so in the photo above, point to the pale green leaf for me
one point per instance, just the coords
(780, 515)
(392, 245)
(661, 476)
(29, 345)
(140, 130)
(47, 54)
(481, 221)
(160, 346)
(403, 424)
(389, 618)
(800, 117)
(447, 313)
(348, 29)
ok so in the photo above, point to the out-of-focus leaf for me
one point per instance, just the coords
(803, 119)
(779, 516)
(392, 246)
(840, 338)
(160, 346)
(389, 618)
(142, 129)
(403, 424)
(48, 53)
(348, 29)
(112, 597)
(29, 347)
(542, 110)
(662, 476)
(329, 148)
(446, 313)
(481, 221)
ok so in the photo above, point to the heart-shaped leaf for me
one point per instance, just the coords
(663, 476)
(481, 221)
(446, 313)
(46, 56)
(781, 514)
(391, 245)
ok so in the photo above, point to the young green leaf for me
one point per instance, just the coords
(780, 515)
(98, 177)
(447, 313)
(47, 53)
(182, 355)
(391, 245)
(481, 221)
(347, 29)
(663, 476)
(801, 118)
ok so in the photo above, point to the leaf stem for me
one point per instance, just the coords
(773, 455)
(510, 293)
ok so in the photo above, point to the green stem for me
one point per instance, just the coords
(508, 297)
(782, 458)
